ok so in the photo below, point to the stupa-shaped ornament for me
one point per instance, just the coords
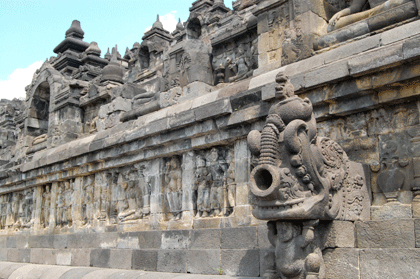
(75, 31)
(93, 49)
(113, 71)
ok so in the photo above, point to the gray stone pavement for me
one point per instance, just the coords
(12, 270)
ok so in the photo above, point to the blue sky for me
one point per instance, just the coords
(31, 29)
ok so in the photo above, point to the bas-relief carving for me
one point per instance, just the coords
(300, 176)
(46, 206)
(215, 185)
(172, 185)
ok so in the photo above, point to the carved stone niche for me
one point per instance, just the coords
(299, 179)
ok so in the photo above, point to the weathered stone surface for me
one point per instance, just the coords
(175, 239)
(342, 263)
(100, 257)
(80, 257)
(239, 238)
(203, 261)
(337, 234)
(240, 262)
(205, 239)
(145, 259)
(391, 263)
(385, 234)
(172, 261)
(121, 258)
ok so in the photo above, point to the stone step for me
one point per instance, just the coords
(35, 271)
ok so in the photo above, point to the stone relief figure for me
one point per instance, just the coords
(133, 211)
(67, 217)
(301, 176)
(217, 167)
(46, 206)
(12, 210)
(202, 186)
(60, 206)
(355, 12)
(242, 66)
(3, 211)
(88, 199)
(27, 208)
(229, 185)
(121, 202)
(173, 187)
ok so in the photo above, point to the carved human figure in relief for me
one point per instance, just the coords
(242, 66)
(67, 218)
(217, 167)
(88, 199)
(173, 189)
(60, 206)
(132, 195)
(28, 208)
(46, 205)
(202, 186)
(230, 185)
(3, 211)
(355, 12)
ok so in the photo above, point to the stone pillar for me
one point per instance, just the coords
(242, 211)
(152, 173)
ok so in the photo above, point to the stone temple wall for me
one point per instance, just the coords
(143, 160)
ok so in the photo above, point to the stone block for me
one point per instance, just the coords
(80, 257)
(36, 256)
(354, 104)
(22, 241)
(205, 239)
(239, 238)
(41, 241)
(207, 223)
(145, 259)
(12, 255)
(3, 242)
(214, 109)
(337, 234)
(326, 74)
(11, 242)
(182, 119)
(175, 239)
(127, 240)
(63, 257)
(242, 194)
(150, 239)
(268, 92)
(242, 167)
(3, 254)
(391, 211)
(172, 261)
(380, 58)
(121, 258)
(119, 104)
(411, 48)
(400, 32)
(353, 48)
(60, 241)
(385, 234)
(240, 262)
(107, 240)
(203, 261)
(417, 232)
(84, 240)
(49, 256)
(389, 263)
(100, 257)
(341, 263)
(242, 214)
(265, 78)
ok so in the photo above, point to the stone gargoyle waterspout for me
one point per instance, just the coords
(298, 179)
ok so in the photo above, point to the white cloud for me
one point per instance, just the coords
(14, 86)
(168, 20)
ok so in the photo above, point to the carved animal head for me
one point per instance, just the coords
(298, 175)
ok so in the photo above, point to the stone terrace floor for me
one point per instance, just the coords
(37, 271)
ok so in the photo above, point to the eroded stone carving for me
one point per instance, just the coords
(300, 176)
(173, 187)
(46, 206)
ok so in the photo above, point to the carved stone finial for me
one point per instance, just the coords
(157, 24)
(93, 49)
(75, 31)
(113, 71)
(107, 55)
(179, 25)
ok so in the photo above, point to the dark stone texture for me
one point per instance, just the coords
(239, 238)
(175, 239)
(172, 261)
(341, 263)
(217, 108)
(41, 241)
(203, 261)
(150, 239)
(205, 239)
(145, 260)
(263, 242)
(240, 262)
(121, 258)
(267, 260)
(82, 241)
(100, 257)
(385, 234)
(60, 241)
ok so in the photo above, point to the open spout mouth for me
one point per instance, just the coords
(265, 182)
